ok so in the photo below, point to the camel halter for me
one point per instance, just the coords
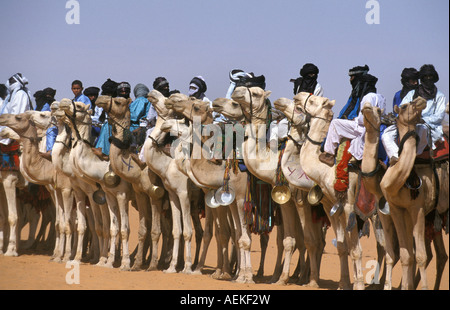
(309, 116)
(74, 122)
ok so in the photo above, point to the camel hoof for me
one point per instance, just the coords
(187, 271)
(358, 286)
(125, 268)
(56, 260)
(170, 270)
(312, 284)
(197, 272)
(11, 253)
(225, 276)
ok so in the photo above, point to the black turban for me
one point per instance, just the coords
(200, 83)
(407, 75)
(309, 69)
(91, 91)
(109, 88)
(358, 70)
(429, 70)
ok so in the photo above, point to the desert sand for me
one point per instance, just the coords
(34, 271)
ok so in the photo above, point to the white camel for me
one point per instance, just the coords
(87, 164)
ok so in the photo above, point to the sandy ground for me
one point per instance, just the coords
(33, 271)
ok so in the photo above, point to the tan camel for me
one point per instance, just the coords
(26, 213)
(262, 166)
(372, 173)
(210, 175)
(87, 164)
(319, 114)
(177, 185)
(81, 188)
(10, 180)
(407, 213)
(142, 179)
(33, 167)
(314, 238)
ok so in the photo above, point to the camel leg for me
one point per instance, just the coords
(339, 230)
(263, 241)
(215, 218)
(441, 258)
(66, 197)
(389, 233)
(355, 252)
(122, 202)
(9, 185)
(278, 263)
(243, 237)
(99, 226)
(207, 236)
(313, 240)
(141, 202)
(419, 237)
(198, 233)
(176, 231)
(187, 228)
(224, 234)
(80, 199)
(289, 215)
(405, 239)
(94, 244)
(104, 224)
(156, 208)
(3, 218)
(114, 228)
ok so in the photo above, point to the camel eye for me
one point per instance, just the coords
(18, 117)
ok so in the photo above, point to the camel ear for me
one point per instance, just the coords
(329, 104)
(90, 112)
(129, 101)
(381, 111)
(267, 94)
(396, 109)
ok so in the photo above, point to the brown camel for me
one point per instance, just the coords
(409, 206)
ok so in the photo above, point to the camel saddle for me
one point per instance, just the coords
(9, 157)
(439, 154)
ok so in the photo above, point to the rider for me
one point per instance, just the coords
(430, 132)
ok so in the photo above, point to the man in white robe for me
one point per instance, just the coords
(351, 129)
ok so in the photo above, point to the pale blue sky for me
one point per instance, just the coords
(138, 40)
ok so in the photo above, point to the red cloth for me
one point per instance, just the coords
(342, 159)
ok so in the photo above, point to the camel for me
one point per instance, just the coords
(210, 175)
(81, 188)
(408, 214)
(253, 101)
(10, 180)
(86, 163)
(26, 213)
(177, 185)
(319, 115)
(372, 173)
(143, 180)
(33, 167)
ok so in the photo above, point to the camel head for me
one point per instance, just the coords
(20, 123)
(229, 108)
(79, 110)
(41, 120)
(158, 101)
(314, 106)
(293, 112)
(409, 114)
(177, 126)
(372, 116)
(190, 107)
(8, 133)
(57, 112)
(252, 99)
(116, 107)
